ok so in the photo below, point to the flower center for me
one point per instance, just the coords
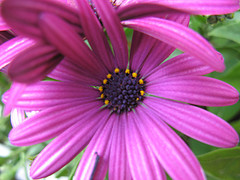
(122, 90)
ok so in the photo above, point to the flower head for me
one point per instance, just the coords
(120, 109)
(27, 18)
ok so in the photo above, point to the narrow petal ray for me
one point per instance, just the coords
(180, 37)
(195, 122)
(50, 122)
(67, 145)
(199, 90)
(115, 31)
(173, 154)
(141, 161)
(99, 146)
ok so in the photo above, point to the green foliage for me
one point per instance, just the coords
(222, 164)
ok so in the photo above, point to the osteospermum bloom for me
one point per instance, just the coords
(25, 18)
(120, 108)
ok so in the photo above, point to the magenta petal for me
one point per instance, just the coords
(67, 145)
(17, 117)
(180, 37)
(38, 61)
(145, 58)
(47, 94)
(180, 65)
(23, 16)
(68, 72)
(95, 35)
(50, 122)
(141, 160)
(10, 49)
(195, 122)
(202, 7)
(199, 90)
(98, 148)
(173, 154)
(14, 94)
(115, 31)
(118, 164)
(70, 44)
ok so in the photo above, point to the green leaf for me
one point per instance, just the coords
(222, 163)
(233, 76)
(236, 125)
(226, 112)
(228, 31)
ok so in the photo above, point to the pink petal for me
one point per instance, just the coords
(95, 35)
(141, 160)
(50, 122)
(68, 72)
(34, 63)
(195, 122)
(115, 31)
(173, 154)
(17, 117)
(203, 91)
(180, 37)
(70, 44)
(145, 58)
(14, 94)
(10, 49)
(67, 145)
(46, 94)
(23, 16)
(202, 7)
(98, 148)
(118, 164)
(180, 65)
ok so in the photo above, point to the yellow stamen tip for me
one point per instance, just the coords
(105, 81)
(137, 99)
(134, 75)
(109, 76)
(116, 70)
(127, 71)
(102, 96)
(106, 102)
(100, 89)
(141, 81)
(142, 93)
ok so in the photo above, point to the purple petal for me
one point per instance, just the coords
(202, 7)
(23, 16)
(203, 91)
(14, 94)
(68, 72)
(195, 122)
(34, 63)
(67, 145)
(173, 154)
(118, 164)
(145, 58)
(70, 44)
(180, 65)
(50, 122)
(17, 117)
(141, 160)
(115, 31)
(99, 147)
(95, 35)
(180, 37)
(10, 49)
(46, 94)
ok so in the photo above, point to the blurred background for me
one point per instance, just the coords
(219, 164)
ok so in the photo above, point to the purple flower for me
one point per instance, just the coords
(27, 17)
(120, 109)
